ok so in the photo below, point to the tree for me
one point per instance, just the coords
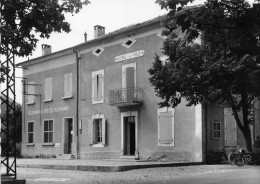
(223, 69)
(22, 19)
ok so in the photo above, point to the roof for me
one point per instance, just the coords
(117, 34)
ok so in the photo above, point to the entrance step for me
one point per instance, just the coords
(66, 156)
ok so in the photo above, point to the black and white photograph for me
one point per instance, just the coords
(130, 91)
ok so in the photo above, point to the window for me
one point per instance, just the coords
(97, 130)
(129, 43)
(30, 132)
(30, 93)
(216, 130)
(129, 75)
(165, 126)
(98, 51)
(98, 87)
(48, 131)
(48, 89)
(67, 85)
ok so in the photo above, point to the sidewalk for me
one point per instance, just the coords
(113, 165)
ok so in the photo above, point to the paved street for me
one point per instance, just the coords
(189, 174)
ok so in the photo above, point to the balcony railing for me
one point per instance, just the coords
(126, 96)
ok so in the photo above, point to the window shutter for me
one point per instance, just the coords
(130, 79)
(103, 131)
(50, 84)
(48, 89)
(165, 123)
(70, 85)
(66, 85)
(94, 87)
(90, 132)
(30, 91)
(100, 86)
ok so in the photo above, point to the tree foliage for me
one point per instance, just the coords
(223, 69)
(22, 19)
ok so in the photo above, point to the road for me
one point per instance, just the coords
(189, 174)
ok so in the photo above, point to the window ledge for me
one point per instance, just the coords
(32, 103)
(48, 144)
(98, 145)
(97, 101)
(66, 97)
(30, 144)
(49, 100)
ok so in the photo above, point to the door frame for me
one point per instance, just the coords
(126, 114)
(63, 133)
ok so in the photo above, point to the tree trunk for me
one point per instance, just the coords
(244, 127)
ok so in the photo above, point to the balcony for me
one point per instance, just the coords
(126, 96)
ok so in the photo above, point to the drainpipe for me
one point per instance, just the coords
(77, 102)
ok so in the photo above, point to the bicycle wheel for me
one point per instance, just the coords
(239, 160)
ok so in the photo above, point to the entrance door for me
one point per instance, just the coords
(129, 135)
(230, 128)
(68, 135)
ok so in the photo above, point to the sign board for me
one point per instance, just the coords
(129, 56)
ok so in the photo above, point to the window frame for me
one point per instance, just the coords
(92, 131)
(31, 92)
(28, 142)
(68, 94)
(215, 130)
(130, 45)
(48, 98)
(124, 73)
(96, 73)
(48, 143)
(163, 110)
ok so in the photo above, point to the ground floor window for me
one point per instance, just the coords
(48, 131)
(165, 126)
(30, 132)
(97, 130)
(216, 130)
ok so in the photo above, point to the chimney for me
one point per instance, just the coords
(98, 31)
(46, 49)
(85, 36)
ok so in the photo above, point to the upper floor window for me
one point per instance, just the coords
(98, 86)
(165, 126)
(48, 89)
(98, 51)
(129, 43)
(67, 85)
(129, 75)
(30, 93)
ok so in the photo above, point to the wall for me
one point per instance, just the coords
(58, 109)
(188, 145)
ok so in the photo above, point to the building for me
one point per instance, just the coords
(94, 100)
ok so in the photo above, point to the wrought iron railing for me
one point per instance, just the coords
(125, 95)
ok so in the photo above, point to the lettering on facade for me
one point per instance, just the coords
(49, 110)
(129, 56)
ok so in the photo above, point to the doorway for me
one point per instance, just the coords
(129, 136)
(230, 128)
(68, 135)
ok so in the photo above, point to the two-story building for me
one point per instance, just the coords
(94, 100)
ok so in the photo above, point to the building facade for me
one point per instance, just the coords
(94, 100)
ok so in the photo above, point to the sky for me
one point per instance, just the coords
(111, 14)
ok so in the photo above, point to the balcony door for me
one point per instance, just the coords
(129, 81)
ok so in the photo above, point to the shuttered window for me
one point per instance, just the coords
(98, 86)
(48, 89)
(67, 85)
(30, 132)
(30, 93)
(97, 130)
(165, 127)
